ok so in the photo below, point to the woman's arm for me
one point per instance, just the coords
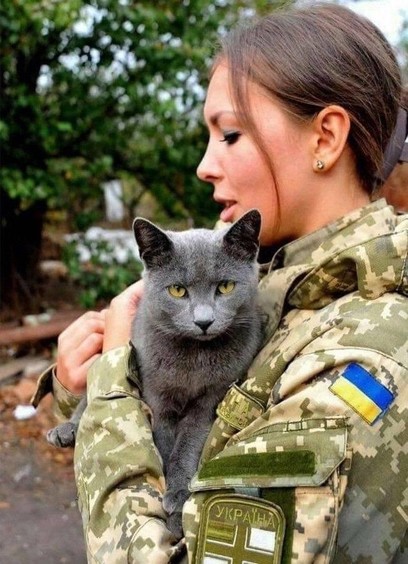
(78, 347)
(118, 470)
(80, 344)
(117, 467)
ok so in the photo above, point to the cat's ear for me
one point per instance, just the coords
(242, 238)
(154, 245)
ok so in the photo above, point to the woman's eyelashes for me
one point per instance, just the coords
(230, 137)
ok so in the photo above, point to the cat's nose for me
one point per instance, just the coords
(204, 324)
(203, 316)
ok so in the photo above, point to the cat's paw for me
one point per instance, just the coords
(173, 500)
(174, 524)
(62, 435)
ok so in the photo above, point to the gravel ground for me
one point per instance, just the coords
(39, 518)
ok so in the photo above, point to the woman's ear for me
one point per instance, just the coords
(331, 128)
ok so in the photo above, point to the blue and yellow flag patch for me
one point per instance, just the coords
(362, 392)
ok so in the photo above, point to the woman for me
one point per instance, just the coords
(306, 460)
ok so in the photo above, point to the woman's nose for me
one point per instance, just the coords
(208, 170)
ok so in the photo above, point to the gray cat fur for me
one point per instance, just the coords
(186, 368)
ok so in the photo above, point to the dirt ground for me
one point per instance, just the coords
(39, 518)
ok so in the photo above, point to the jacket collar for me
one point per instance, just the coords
(365, 250)
(346, 231)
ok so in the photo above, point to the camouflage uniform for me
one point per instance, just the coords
(307, 459)
(65, 401)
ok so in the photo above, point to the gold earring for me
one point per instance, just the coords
(319, 164)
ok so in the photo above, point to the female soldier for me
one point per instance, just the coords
(306, 461)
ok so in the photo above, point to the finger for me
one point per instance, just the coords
(82, 374)
(76, 334)
(130, 295)
(91, 345)
(120, 315)
(82, 321)
(89, 362)
(70, 365)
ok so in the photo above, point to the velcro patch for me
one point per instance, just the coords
(258, 464)
(362, 392)
(235, 528)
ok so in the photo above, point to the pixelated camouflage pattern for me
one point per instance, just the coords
(65, 402)
(317, 496)
(325, 438)
(115, 449)
(334, 297)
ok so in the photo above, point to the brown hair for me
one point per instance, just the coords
(404, 97)
(311, 57)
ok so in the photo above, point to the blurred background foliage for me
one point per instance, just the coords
(98, 90)
(104, 274)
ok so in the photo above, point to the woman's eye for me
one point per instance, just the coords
(226, 286)
(230, 137)
(177, 291)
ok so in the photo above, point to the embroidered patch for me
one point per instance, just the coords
(238, 409)
(235, 528)
(362, 392)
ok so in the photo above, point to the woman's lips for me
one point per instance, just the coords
(227, 214)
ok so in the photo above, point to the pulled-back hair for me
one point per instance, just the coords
(308, 58)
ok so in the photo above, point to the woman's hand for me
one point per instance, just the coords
(93, 333)
(78, 347)
(119, 316)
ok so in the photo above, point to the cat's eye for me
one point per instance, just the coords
(226, 286)
(177, 291)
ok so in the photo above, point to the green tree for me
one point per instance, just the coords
(95, 90)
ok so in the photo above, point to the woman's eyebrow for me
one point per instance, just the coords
(214, 118)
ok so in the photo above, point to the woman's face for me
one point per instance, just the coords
(241, 177)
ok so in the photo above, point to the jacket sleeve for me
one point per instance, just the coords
(333, 467)
(65, 402)
(118, 471)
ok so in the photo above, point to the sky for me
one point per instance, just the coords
(388, 15)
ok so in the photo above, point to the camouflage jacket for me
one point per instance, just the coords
(307, 459)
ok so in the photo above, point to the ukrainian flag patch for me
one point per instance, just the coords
(362, 392)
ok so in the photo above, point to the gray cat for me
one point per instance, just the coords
(196, 331)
